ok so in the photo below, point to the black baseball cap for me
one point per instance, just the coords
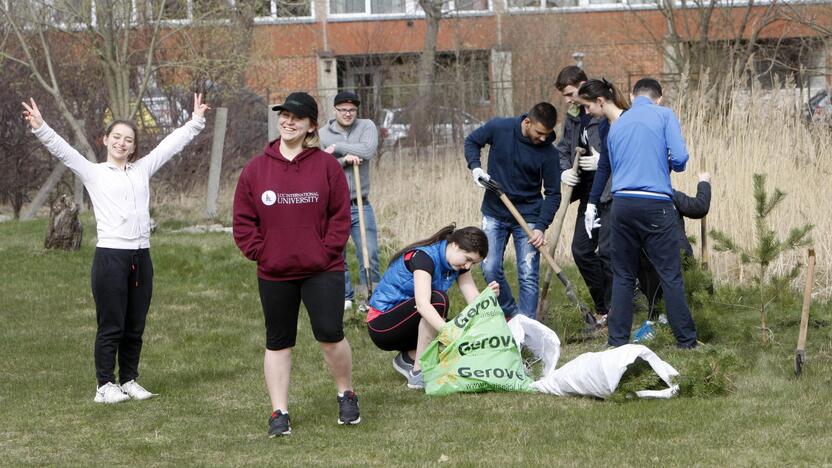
(346, 96)
(300, 104)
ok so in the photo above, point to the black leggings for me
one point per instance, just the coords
(398, 328)
(122, 285)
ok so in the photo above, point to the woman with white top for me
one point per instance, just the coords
(122, 271)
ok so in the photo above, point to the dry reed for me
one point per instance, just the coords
(760, 132)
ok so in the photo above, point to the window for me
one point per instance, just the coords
(205, 10)
(275, 9)
(470, 5)
(376, 7)
(210, 9)
(527, 4)
(386, 6)
(69, 13)
(293, 8)
(174, 10)
(400, 7)
(347, 6)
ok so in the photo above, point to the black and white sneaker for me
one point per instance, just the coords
(348, 408)
(279, 424)
(403, 364)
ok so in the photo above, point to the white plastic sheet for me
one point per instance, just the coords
(537, 338)
(590, 374)
(598, 374)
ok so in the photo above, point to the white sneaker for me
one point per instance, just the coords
(347, 305)
(135, 391)
(110, 393)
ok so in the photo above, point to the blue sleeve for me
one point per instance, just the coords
(602, 175)
(475, 142)
(675, 143)
(551, 192)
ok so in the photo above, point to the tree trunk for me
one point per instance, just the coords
(763, 308)
(427, 66)
(421, 111)
(65, 231)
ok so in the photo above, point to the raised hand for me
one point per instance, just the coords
(32, 114)
(199, 106)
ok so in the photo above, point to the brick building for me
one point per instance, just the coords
(499, 55)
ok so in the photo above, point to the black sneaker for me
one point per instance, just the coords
(348, 408)
(279, 424)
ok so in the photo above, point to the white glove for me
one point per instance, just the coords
(478, 174)
(570, 177)
(591, 220)
(590, 161)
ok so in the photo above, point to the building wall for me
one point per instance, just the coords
(616, 44)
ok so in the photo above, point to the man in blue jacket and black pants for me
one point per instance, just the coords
(643, 145)
(522, 159)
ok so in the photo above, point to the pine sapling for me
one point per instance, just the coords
(768, 247)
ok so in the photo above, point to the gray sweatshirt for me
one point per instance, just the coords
(360, 139)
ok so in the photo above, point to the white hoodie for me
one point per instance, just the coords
(120, 198)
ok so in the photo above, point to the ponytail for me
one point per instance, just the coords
(469, 239)
(595, 88)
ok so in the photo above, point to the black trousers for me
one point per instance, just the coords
(651, 225)
(589, 259)
(122, 285)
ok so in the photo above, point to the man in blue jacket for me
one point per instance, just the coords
(643, 146)
(522, 159)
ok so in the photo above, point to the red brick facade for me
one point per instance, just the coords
(616, 43)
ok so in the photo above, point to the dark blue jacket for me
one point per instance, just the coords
(396, 285)
(520, 167)
(600, 192)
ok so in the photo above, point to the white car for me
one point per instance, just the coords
(450, 126)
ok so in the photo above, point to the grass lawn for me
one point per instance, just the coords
(203, 355)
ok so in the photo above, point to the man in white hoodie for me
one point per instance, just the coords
(354, 141)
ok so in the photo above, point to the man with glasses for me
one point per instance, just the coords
(354, 141)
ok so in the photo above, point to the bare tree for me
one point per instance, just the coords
(21, 167)
(708, 35)
(124, 39)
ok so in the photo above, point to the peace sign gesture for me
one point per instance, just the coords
(199, 106)
(32, 114)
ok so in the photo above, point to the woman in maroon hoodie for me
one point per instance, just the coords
(292, 216)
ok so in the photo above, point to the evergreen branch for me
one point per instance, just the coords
(799, 237)
(760, 195)
(775, 200)
(723, 243)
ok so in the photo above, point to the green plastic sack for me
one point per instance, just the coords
(475, 352)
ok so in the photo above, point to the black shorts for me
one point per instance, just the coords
(398, 328)
(323, 296)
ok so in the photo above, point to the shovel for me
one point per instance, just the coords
(800, 353)
(361, 226)
(494, 187)
(557, 225)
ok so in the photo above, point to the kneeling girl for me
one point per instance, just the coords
(411, 303)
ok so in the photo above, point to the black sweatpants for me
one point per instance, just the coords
(122, 285)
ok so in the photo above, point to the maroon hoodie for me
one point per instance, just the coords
(292, 217)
